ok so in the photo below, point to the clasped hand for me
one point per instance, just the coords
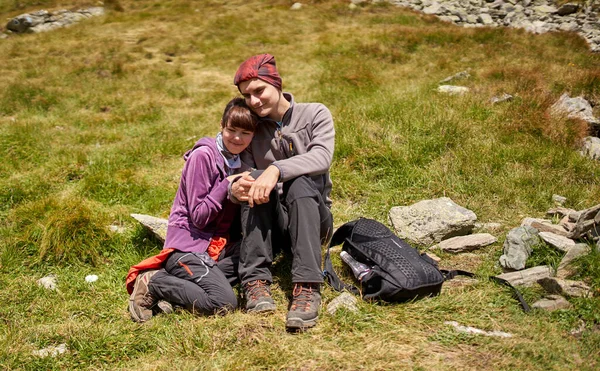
(255, 191)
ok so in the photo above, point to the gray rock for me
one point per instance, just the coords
(577, 108)
(568, 8)
(568, 26)
(157, 226)
(48, 282)
(503, 98)
(527, 277)
(344, 300)
(529, 221)
(460, 75)
(559, 286)
(466, 243)
(560, 212)
(559, 200)
(545, 9)
(565, 268)
(42, 21)
(434, 8)
(431, 221)
(452, 90)
(552, 303)
(591, 148)
(553, 228)
(518, 246)
(562, 243)
(486, 19)
(50, 351)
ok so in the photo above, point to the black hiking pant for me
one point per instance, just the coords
(197, 283)
(297, 220)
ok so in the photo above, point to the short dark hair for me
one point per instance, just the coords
(238, 115)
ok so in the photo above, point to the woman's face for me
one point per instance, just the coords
(263, 98)
(235, 139)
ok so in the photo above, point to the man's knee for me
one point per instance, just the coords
(300, 187)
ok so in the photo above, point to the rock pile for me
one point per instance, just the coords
(42, 21)
(538, 16)
(448, 226)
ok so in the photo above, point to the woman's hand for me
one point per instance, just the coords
(262, 186)
(240, 188)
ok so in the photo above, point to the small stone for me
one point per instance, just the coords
(554, 228)
(476, 331)
(562, 243)
(554, 285)
(546, 9)
(560, 212)
(453, 90)
(460, 75)
(503, 98)
(486, 19)
(433, 257)
(51, 351)
(552, 303)
(528, 221)
(91, 278)
(565, 268)
(296, 6)
(489, 226)
(527, 277)
(352, 6)
(466, 243)
(344, 300)
(559, 200)
(48, 282)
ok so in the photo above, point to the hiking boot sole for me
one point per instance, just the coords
(296, 323)
(263, 308)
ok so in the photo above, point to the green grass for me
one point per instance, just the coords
(94, 120)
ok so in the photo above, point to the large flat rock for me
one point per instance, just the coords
(158, 226)
(527, 277)
(466, 243)
(431, 221)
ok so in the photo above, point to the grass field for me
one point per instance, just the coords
(94, 119)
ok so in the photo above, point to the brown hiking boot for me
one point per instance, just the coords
(304, 310)
(141, 301)
(258, 297)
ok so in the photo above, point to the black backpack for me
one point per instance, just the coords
(398, 272)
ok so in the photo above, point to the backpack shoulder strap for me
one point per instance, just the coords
(329, 274)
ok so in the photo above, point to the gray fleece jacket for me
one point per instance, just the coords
(302, 146)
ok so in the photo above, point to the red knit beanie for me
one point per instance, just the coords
(260, 66)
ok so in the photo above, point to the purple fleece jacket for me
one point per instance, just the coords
(200, 209)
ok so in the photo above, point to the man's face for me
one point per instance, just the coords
(263, 98)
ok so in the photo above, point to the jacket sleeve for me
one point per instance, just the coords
(319, 149)
(205, 191)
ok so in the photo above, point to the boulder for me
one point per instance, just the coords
(527, 277)
(466, 243)
(518, 246)
(431, 221)
(577, 108)
(560, 286)
(552, 303)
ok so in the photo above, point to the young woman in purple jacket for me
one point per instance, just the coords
(203, 234)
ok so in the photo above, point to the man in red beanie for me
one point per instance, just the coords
(286, 201)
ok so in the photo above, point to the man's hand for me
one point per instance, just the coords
(240, 188)
(262, 186)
